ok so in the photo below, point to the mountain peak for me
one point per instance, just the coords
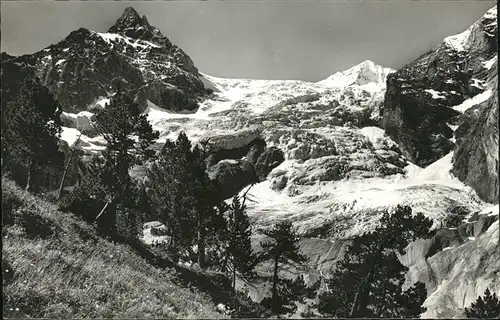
(129, 19)
(363, 73)
(130, 12)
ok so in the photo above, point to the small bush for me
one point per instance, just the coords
(33, 224)
(81, 204)
(128, 222)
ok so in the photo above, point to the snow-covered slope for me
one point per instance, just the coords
(367, 74)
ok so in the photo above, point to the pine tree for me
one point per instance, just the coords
(31, 126)
(282, 250)
(486, 307)
(184, 197)
(129, 136)
(368, 281)
(239, 245)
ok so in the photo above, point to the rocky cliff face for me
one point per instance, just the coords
(476, 155)
(421, 98)
(87, 67)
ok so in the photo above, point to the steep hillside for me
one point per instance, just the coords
(56, 266)
(453, 85)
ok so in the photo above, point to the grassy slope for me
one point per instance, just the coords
(55, 265)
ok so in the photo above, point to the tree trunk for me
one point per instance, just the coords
(359, 305)
(106, 219)
(61, 186)
(201, 246)
(234, 278)
(102, 210)
(50, 180)
(31, 173)
(355, 303)
(275, 282)
(225, 262)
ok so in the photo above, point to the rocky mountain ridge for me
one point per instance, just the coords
(430, 105)
(87, 67)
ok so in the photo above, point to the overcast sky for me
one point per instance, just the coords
(307, 40)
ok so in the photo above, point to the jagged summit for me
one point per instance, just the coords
(130, 19)
(132, 25)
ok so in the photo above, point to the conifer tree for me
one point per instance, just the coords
(31, 126)
(282, 250)
(486, 307)
(239, 245)
(128, 135)
(368, 281)
(184, 197)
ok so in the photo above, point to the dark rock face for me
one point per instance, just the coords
(475, 160)
(251, 151)
(419, 96)
(232, 176)
(270, 159)
(87, 66)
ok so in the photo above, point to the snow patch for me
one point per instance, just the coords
(110, 37)
(70, 135)
(435, 94)
(439, 170)
(372, 133)
(477, 83)
(102, 102)
(490, 211)
(469, 103)
(458, 42)
(488, 64)
(149, 238)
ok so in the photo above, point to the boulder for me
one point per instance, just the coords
(270, 159)
(232, 176)
(244, 144)
(83, 121)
